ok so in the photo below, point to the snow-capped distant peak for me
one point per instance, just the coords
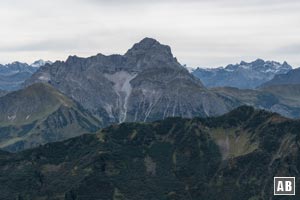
(40, 63)
(245, 75)
(190, 69)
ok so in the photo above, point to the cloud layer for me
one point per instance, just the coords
(201, 33)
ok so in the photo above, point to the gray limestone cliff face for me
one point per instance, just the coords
(145, 84)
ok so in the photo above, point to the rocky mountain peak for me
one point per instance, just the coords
(40, 63)
(145, 84)
(286, 66)
(147, 43)
(72, 59)
(149, 46)
(259, 62)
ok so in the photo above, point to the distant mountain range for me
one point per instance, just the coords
(283, 99)
(243, 76)
(13, 75)
(66, 99)
(290, 78)
(216, 145)
(231, 157)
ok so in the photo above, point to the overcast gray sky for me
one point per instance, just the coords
(201, 33)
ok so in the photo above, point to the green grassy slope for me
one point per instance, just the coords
(40, 114)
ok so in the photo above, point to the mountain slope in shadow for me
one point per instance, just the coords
(234, 156)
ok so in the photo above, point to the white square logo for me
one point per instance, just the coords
(284, 185)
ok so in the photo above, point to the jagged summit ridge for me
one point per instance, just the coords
(145, 84)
